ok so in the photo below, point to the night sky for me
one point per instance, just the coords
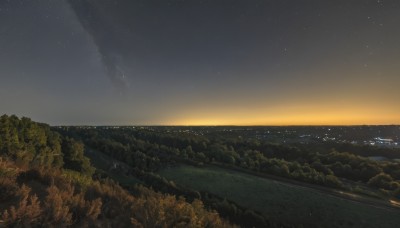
(201, 62)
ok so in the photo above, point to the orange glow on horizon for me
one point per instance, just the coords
(359, 117)
(280, 122)
(356, 106)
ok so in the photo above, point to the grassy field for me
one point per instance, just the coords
(286, 202)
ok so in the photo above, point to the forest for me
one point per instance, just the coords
(326, 165)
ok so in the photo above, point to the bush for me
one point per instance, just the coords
(382, 180)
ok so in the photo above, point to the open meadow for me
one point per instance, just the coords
(285, 202)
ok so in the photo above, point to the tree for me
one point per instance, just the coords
(382, 180)
(4, 134)
(74, 156)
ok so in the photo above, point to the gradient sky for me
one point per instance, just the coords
(203, 62)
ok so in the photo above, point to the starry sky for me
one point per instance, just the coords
(201, 62)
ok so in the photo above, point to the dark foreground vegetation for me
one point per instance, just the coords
(46, 181)
(109, 176)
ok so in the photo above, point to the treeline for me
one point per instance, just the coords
(361, 150)
(151, 150)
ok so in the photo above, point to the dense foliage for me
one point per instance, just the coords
(46, 181)
(151, 150)
(38, 197)
(33, 144)
(27, 142)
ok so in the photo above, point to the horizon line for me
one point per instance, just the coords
(222, 125)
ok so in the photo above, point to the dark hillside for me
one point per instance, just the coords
(45, 181)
